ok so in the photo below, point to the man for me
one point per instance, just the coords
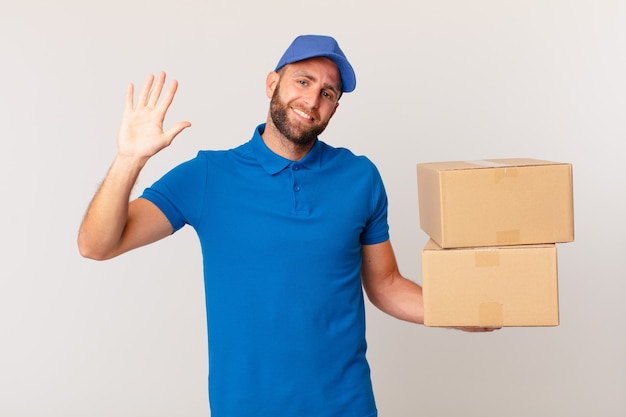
(291, 230)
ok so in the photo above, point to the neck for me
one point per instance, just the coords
(282, 146)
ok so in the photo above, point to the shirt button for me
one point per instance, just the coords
(296, 167)
(296, 188)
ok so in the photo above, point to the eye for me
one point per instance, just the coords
(328, 95)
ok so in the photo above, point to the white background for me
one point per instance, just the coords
(437, 80)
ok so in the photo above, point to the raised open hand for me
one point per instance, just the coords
(141, 133)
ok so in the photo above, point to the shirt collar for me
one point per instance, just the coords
(273, 163)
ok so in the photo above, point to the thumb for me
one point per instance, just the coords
(172, 132)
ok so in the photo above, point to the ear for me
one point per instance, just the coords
(270, 83)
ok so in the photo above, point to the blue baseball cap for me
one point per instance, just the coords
(311, 46)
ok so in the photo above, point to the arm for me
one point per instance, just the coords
(112, 225)
(386, 288)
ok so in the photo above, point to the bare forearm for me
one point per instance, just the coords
(386, 288)
(106, 217)
(400, 298)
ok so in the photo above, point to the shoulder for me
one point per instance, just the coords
(243, 151)
(346, 156)
(208, 154)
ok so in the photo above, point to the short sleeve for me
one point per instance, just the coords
(179, 194)
(377, 227)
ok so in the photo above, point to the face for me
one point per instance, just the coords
(304, 98)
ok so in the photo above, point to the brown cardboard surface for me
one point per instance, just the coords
(496, 202)
(490, 287)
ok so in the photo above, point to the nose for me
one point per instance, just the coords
(313, 98)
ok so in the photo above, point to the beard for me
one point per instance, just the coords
(297, 133)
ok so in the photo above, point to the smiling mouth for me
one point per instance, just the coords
(302, 114)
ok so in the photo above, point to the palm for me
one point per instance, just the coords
(141, 132)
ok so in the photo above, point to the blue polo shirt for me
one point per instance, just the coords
(281, 244)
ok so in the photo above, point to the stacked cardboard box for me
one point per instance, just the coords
(494, 224)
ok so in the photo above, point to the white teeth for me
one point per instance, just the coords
(303, 114)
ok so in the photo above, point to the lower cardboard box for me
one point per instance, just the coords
(505, 286)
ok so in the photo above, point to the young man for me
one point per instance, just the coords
(291, 231)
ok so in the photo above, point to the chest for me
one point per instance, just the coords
(297, 206)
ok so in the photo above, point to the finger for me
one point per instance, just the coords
(156, 90)
(474, 329)
(142, 100)
(486, 329)
(169, 96)
(130, 94)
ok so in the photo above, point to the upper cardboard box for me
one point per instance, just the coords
(496, 202)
